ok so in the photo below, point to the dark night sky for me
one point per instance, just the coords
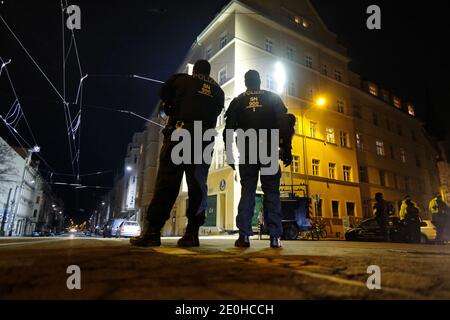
(409, 56)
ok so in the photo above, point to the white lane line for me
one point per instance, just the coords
(25, 243)
(360, 284)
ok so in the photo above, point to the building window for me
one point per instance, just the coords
(332, 171)
(270, 82)
(290, 53)
(359, 141)
(373, 90)
(350, 209)
(313, 129)
(301, 21)
(383, 178)
(385, 95)
(341, 106)
(380, 148)
(324, 70)
(411, 110)
(391, 147)
(269, 45)
(418, 162)
(397, 102)
(403, 155)
(223, 40)
(319, 206)
(291, 88)
(296, 129)
(357, 111)
(135, 159)
(34, 213)
(222, 76)
(363, 174)
(347, 171)
(330, 135)
(375, 119)
(338, 75)
(335, 208)
(399, 130)
(38, 199)
(296, 164)
(208, 53)
(315, 167)
(309, 61)
(343, 138)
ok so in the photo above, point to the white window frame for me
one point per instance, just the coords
(332, 170)
(223, 36)
(268, 46)
(347, 175)
(380, 148)
(313, 129)
(330, 135)
(224, 68)
(309, 61)
(290, 53)
(315, 167)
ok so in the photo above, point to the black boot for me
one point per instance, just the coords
(242, 242)
(149, 238)
(190, 238)
(275, 242)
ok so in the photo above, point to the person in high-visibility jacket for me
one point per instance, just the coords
(403, 207)
(439, 210)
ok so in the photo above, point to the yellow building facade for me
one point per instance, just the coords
(338, 137)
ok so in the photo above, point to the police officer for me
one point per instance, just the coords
(381, 211)
(409, 214)
(258, 109)
(185, 99)
(439, 211)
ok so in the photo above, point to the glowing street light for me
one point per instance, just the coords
(129, 168)
(280, 77)
(320, 102)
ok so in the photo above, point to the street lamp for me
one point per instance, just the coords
(280, 77)
(129, 168)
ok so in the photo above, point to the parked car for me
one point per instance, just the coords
(368, 230)
(112, 227)
(128, 229)
(428, 231)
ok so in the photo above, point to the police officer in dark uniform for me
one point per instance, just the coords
(258, 109)
(185, 99)
(381, 211)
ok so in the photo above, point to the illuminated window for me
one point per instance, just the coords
(403, 155)
(397, 102)
(347, 171)
(380, 148)
(330, 135)
(359, 142)
(290, 53)
(313, 129)
(269, 45)
(291, 88)
(301, 21)
(411, 110)
(324, 69)
(315, 167)
(296, 164)
(222, 75)
(270, 83)
(343, 138)
(340, 106)
(338, 75)
(350, 209)
(332, 171)
(373, 90)
(309, 61)
(223, 40)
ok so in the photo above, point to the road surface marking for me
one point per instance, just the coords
(25, 243)
(355, 283)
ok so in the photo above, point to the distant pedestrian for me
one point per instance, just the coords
(411, 221)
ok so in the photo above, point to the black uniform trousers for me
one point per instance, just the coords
(167, 187)
(272, 205)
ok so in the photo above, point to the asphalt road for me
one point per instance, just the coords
(36, 268)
